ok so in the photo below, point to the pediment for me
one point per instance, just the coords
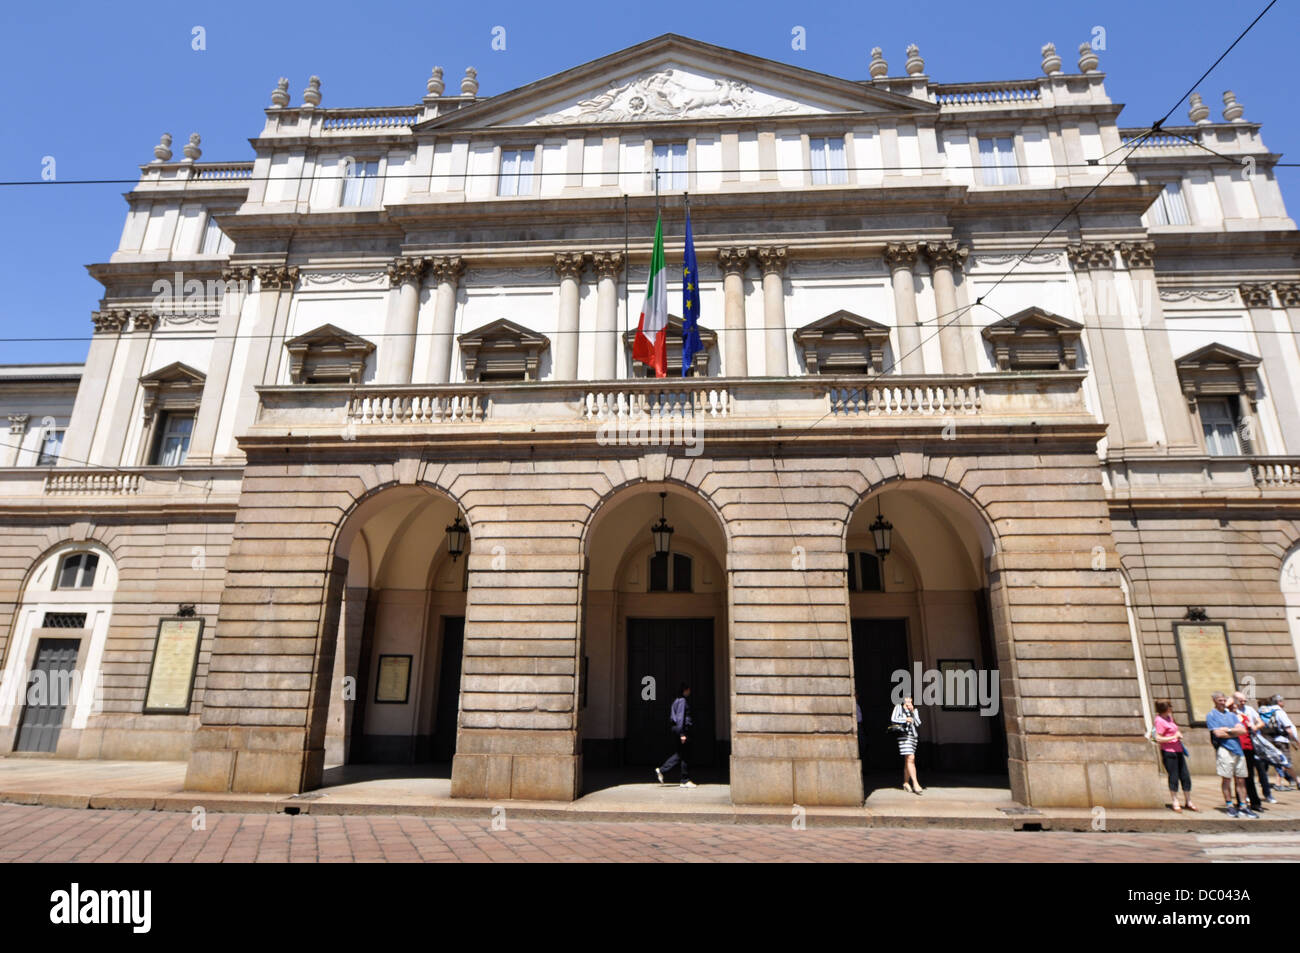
(673, 78)
(503, 332)
(174, 374)
(1217, 354)
(1033, 319)
(327, 354)
(841, 323)
(329, 336)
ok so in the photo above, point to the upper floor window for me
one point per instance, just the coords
(828, 164)
(51, 446)
(359, 180)
(77, 571)
(173, 439)
(516, 172)
(670, 165)
(998, 160)
(212, 238)
(1219, 424)
(864, 572)
(670, 572)
(1170, 208)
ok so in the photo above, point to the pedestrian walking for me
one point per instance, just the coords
(680, 723)
(1174, 754)
(905, 722)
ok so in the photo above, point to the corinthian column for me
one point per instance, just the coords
(405, 276)
(901, 258)
(946, 258)
(1258, 299)
(733, 261)
(772, 262)
(608, 265)
(274, 291)
(569, 268)
(446, 272)
(109, 325)
(236, 281)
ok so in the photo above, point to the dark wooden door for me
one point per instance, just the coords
(48, 689)
(670, 651)
(879, 650)
(444, 719)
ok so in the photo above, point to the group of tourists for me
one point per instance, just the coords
(1248, 742)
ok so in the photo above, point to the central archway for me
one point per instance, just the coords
(397, 664)
(651, 622)
(924, 610)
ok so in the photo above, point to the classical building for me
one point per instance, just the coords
(360, 468)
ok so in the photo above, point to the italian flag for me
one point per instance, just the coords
(651, 344)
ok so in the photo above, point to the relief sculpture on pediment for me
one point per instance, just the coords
(663, 95)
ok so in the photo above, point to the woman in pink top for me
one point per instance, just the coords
(1174, 754)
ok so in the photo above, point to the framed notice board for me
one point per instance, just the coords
(393, 685)
(175, 663)
(1206, 662)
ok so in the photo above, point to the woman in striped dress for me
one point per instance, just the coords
(907, 716)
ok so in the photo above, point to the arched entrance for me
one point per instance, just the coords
(651, 622)
(923, 610)
(398, 658)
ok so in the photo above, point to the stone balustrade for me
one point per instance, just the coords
(1277, 471)
(95, 488)
(369, 119)
(740, 402)
(1025, 92)
(115, 482)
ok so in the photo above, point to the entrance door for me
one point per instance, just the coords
(49, 684)
(444, 719)
(670, 651)
(879, 650)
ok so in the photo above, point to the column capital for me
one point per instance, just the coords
(242, 274)
(1256, 295)
(570, 265)
(901, 255)
(1091, 255)
(733, 261)
(1138, 254)
(447, 269)
(277, 277)
(18, 423)
(608, 264)
(144, 320)
(406, 268)
(946, 254)
(1288, 292)
(772, 259)
(110, 320)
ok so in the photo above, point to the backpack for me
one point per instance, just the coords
(1273, 726)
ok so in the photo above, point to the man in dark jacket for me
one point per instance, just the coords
(681, 724)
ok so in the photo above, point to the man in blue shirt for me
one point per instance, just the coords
(681, 723)
(1230, 760)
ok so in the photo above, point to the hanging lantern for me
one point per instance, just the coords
(661, 531)
(883, 532)
(456, 534)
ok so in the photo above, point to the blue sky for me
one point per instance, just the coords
(93, 85)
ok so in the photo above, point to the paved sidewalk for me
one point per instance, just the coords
(159, 786)
(63, 835)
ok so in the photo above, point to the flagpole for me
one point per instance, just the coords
(627, 287)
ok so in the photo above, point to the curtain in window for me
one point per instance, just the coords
(359, 186)
(835, 163)
(817, 150)
(989, 162)
(1220, 428)
(175, 442)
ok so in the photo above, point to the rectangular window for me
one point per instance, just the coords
(212, 236)
(1219, 424)
(516, 172)
(359, 179)
(998, 160)
(1170, 208)
(51, 446)
(828, 165)
(173, 439)
(670, 164)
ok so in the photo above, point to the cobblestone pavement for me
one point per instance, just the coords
(51, 834)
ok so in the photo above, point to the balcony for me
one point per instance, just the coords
(95, 488)
(1172, 477)
(886, 405)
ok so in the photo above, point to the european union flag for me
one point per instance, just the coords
(690, 302)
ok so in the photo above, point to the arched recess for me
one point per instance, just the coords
(60, 629)
(640, 638)
(397, 608)
(932, 613)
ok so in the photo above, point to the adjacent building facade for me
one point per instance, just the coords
(364, 407)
